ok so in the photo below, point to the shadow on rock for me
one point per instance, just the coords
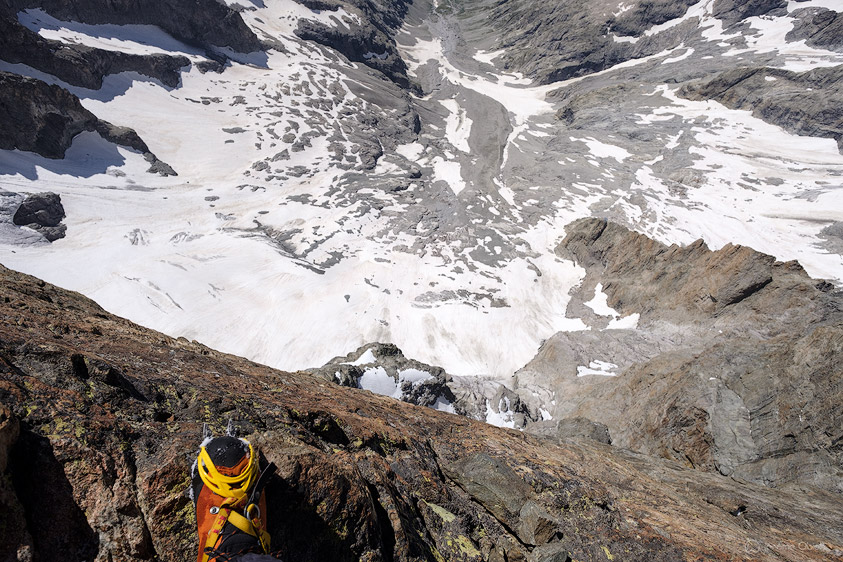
(58, 526)
(89, 155)
(297, 530)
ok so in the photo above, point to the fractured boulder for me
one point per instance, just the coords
(42, 212)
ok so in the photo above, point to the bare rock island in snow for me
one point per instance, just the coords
(44, 119)
(613, 228)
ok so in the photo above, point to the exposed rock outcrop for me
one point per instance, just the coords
(806, 103)
(564, 41)
(42, 212)
(79, 65)
(643, 15)
(369, 39)
(40, 118)
(383, 369)
(44, 119)
(833, 235)
(109, 414)
(573, 428)
(12, 233)
(819, 27)
(567, 39)
(734, 365)
(734, 11)
(205, 23)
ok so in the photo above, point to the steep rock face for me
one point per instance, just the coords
(77, 64)
(568, 39)
(820, 28)
(734, 365)
(100, 419)
(806, 103)
(205, 23)
(40, 118)
(734, 11)
(44, 119)
(643, 15)
(365, 45)
(369, 39)
(678, 283)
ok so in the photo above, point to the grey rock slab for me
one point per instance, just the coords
(833, 235)
(805, 103)
(576, 428)
(42, 212)
(42, 209)
(13, 234)
(493, 484)
(819, 27)
(734, 11)
(535, 525)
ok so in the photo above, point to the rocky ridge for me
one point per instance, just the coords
(383, 369)
(571, 39)
(99, 419)
(735, 11)
(79, 65)
(734, 364)
(568, 39)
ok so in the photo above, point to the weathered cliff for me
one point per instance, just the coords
(80, 65)
(819, 27)
(562, 40)
(368, 39)
(205, 23)
(45, 119)
(734, 366)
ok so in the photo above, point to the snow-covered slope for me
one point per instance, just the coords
(320, 206)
